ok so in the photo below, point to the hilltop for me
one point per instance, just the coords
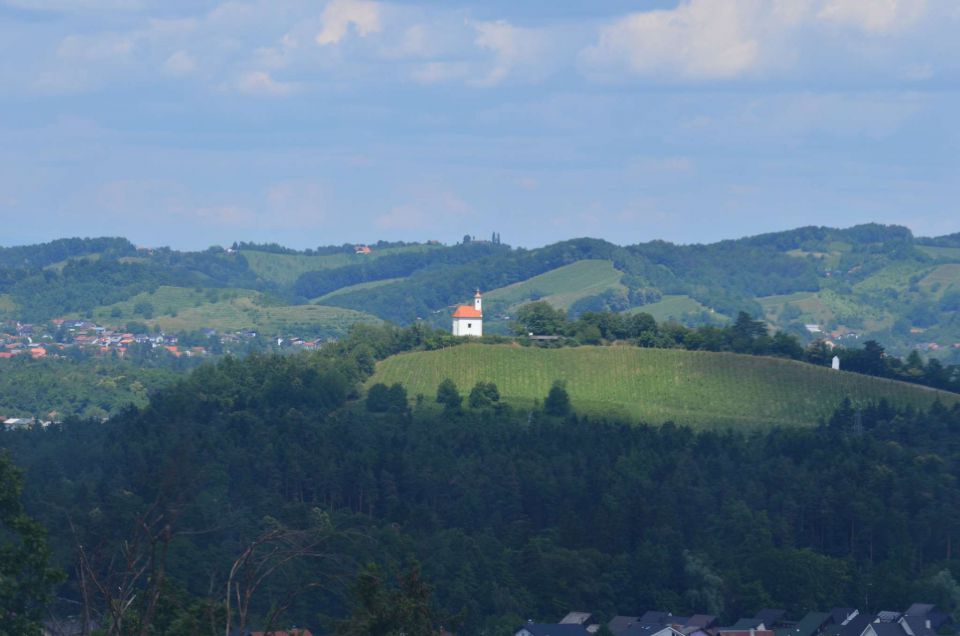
(696, 388)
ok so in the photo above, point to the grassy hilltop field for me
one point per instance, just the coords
(696, 388)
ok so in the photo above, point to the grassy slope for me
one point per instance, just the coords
(654, 385)
(359, 286)
(563, 286)
(945, 277)
(284, 269)
(941, 252)
(823, 307)
(670, 308)
(185, 309)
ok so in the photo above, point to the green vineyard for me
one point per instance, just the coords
(701, 389)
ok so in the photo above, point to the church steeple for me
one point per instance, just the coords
(478, 301)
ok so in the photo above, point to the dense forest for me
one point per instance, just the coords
(53, 389)
(510, 514)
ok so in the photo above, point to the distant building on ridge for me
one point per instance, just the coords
(467, 319)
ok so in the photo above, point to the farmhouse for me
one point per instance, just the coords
(467, 319)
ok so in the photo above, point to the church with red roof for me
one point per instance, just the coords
(468, 319)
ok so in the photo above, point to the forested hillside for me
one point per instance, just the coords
(869, 281)
(513, 514)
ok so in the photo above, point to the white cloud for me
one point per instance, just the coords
(339, 15)
(698, 39)
(873, 16)
(713, 40)
(180, 63)
(511, 46)
(262, 84)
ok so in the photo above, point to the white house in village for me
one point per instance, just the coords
(468, 319)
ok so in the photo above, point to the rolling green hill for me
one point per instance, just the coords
(284, 269)
(878, 281)
(186, 309)
(655, 385)
(563, 286)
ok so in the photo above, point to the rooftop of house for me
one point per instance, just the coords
(555, 629)
(771, 617)
(576, 618)
(888, 629)
(619, 623)
(809, 625)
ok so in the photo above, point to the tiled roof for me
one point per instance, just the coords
(466, 311)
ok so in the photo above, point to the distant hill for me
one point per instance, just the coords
(561, 287)
(868, 281)
(701, 389)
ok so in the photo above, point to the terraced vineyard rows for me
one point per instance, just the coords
(655, 385)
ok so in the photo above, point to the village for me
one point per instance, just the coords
(61, 337)
(920, 619)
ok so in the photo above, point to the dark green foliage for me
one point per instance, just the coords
(513, 515)
(540, 319)
(26, 579)
(400, 610)
(558, 400)
(91, 387)
(378, 398)
(313, 284)
(397, 396)
(44, 254)
(448, 395)
(144, 308)
(483, 394)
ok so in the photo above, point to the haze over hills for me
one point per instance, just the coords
(867, 281)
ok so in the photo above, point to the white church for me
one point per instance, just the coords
(468, 319)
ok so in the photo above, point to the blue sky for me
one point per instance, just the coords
(194, 123)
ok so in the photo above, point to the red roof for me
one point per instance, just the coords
(466, 311)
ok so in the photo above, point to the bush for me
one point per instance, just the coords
(484, 394)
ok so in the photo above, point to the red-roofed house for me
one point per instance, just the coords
(467, 319)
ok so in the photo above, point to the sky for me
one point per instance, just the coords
(193, 123)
